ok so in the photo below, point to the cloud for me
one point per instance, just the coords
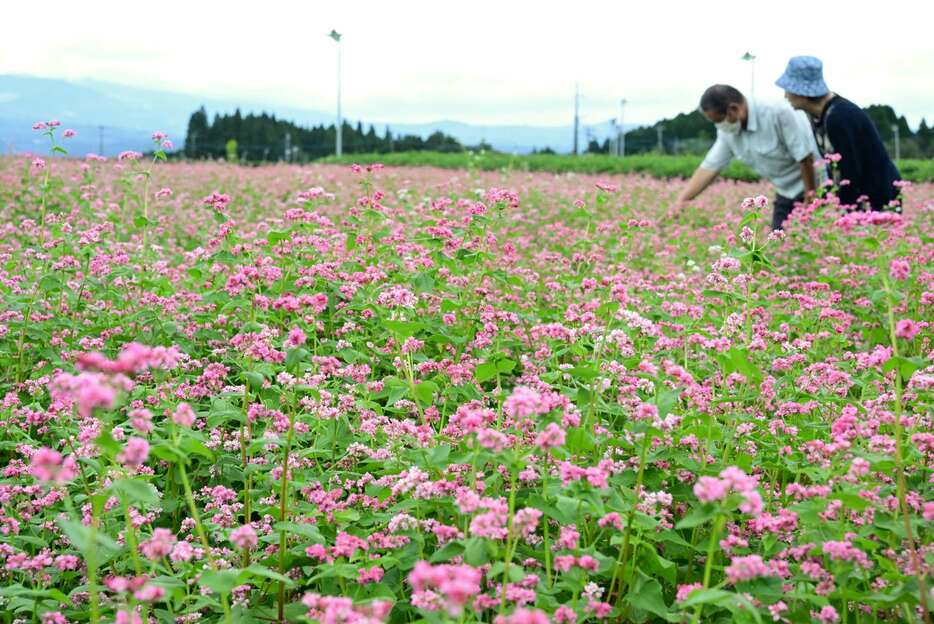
(482, 62)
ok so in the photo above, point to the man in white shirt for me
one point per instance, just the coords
(775, 141)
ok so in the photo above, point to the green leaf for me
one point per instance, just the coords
(485, 371)
(80, 536)
(698, 516)
(168, 452)
(647, 595)
(664, 568)
(396, 393)
(276, 237)
(220, 581)
(425, 390)
(137, 490)
(906, 366)
(403, 329)
(264, 572)
(475, 552)
(300, 528)
(584, 373)
(767, 588)
(346, 516)
(449, 551)
(195, 446)
(709, 596)
(50, 283)
(254, 379)
(294, 357)
(106, 443)
(506, 365)
(741, 363)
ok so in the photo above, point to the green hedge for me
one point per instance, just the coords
(655, 165)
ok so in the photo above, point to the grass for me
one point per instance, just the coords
(655, 165)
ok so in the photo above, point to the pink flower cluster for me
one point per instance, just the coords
(732, 479)
(47, 465)
(445, 586)
(339, 610)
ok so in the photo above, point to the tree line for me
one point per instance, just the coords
(263, 138)
(692, 133)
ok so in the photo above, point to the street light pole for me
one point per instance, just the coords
(898, 145)
(752, 74)
(621, 141)
(338, 148)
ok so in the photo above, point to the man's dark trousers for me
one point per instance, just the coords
(782, 208)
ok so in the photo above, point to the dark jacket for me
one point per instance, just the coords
(844, 128)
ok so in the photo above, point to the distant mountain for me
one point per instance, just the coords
(129, 115)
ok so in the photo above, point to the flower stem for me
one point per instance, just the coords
(901, 486)
(283, 510)
(708, 565)
(193, 509)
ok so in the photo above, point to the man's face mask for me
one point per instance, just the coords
(729, 127)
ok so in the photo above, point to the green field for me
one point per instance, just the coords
(655, 165)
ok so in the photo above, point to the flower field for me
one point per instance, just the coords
(365, 395)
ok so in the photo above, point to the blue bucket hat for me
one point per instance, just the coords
(804, 76)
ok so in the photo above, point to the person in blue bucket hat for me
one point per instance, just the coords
(865, 175)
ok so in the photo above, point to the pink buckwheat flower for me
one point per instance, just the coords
(900, 269)
(134, 453)
(184, 415)
(159, 545)
(907, 329)
(711, 489)
(746, 568)
(47, 465)
(553, 436)
(244, 537)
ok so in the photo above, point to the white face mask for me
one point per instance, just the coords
(729, 127)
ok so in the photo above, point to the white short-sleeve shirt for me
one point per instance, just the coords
(776, 138)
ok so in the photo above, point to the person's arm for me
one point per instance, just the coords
(807, 176)
(717, 158)
(699, 181)
(796, 134)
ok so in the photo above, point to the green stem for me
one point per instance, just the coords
(283, 510)
(708, 565)
(199, 528)
(510, 539)
(647, 440)
(901, 485)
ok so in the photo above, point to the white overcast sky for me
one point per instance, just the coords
(497, 62)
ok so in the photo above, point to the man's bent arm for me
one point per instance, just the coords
(699, 181)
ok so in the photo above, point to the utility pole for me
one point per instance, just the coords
(752, 74)
(577, 97)
(288, 146)
(661, 143)
(339, 147)
(621, 141)
(100, 140)
(898, 145)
